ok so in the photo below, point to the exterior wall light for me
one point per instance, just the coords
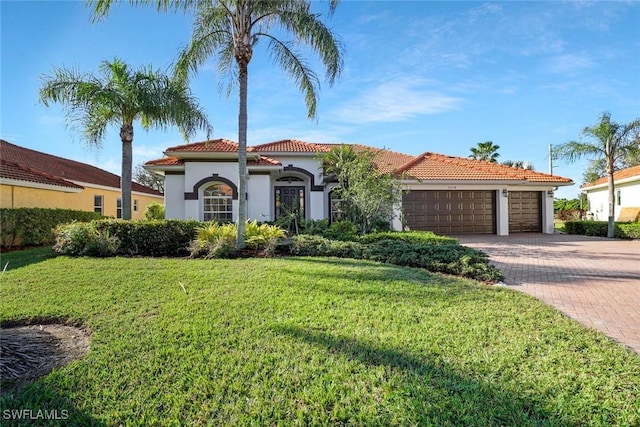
(505, 192)
(550, 193)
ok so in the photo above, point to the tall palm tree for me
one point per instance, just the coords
(610, 141)
(230, 29)
(486, 151)
(120, 96)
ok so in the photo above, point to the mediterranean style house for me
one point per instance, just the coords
(627, 196)
(444, 194)
(32, 179)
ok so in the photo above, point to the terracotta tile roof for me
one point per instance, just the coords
(18, 172)
(211, 146)
(617, 176)
(264, 161)
(165, 161)
(172, 161)
(291, 146)
(433, 166)
(64, 168)
(427, 166)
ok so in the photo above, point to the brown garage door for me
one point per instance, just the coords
(450, 211)
(525, 213)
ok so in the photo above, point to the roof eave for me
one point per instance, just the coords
(290, 153)
(40, 185)
(264, 168)
(197, 155)
(617, 182)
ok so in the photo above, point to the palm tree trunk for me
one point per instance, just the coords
(126, 136)
(611, 187)
(242, 151)
(612, 206)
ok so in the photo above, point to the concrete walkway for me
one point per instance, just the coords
(594, 280)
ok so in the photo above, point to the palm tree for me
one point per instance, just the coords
(486, 151)
(610, 141)
(519, 164)
(230, 29)
(120, 96)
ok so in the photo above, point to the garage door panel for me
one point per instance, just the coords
(525, 211)
(450, 212)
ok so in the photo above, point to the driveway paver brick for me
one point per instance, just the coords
(593, 280)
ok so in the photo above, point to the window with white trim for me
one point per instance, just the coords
(135, 205)
(218, 202)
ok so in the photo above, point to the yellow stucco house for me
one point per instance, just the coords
(32, 179)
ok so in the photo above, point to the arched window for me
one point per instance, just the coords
(217, 199)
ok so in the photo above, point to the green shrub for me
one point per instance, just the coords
(140, 237)
(407, 236)
(310, 245)
(153, 211)
(84, 239)
(629, 230)
(152, 238)
(214, 240)
(315, 227)
(263, 235)
(570, 214)
(34, 226)
(342, 230)
(622, 230)
(449, 258)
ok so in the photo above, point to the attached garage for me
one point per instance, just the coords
(450, 211)
(525, 211)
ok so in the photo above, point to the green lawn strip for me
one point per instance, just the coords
(314, 341)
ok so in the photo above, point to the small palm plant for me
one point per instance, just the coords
(263, 237)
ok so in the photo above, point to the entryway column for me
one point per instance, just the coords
(502, 212)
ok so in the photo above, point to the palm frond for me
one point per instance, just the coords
(311, 31)
(303, 75)
(574, 150)
(211, 35)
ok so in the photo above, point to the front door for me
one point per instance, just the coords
(289, 202)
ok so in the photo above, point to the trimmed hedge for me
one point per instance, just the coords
(135, 238)
(409, 237)
(442, 257)
(34, 226)
(177, 237)
(622, 230)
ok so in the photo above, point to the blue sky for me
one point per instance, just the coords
(418, 76)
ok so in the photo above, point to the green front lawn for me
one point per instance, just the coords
(311, 341)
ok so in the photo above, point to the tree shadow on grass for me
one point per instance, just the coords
(42, 404)
(433, 393)
(16, 259)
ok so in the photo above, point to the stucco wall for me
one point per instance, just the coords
(174, 197)
(260, 201)
(13, 196)
(599, 200)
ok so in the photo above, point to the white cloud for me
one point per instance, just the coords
(569, 63)
(396, 100)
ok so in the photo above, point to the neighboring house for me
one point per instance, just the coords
(31, 179)
(448, 195)
(627, 194)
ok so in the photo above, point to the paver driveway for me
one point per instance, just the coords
(593, 280)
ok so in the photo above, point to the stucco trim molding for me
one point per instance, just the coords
(213, 178)
(312, 178)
